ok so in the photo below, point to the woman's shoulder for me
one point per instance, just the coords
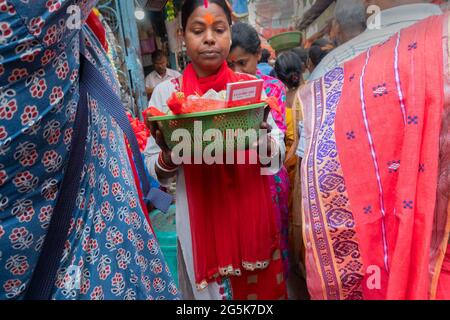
(273, 85)
(162, 93)
(272, 81)
(168, 86)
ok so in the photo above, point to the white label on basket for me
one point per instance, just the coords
(243, 94)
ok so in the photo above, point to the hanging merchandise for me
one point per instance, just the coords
(170, 11)
(175, 42)
(240, 8)
(93, 21)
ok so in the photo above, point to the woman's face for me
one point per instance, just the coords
(242, 61)
(208, 39)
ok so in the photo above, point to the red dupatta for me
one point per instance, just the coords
(231, 214)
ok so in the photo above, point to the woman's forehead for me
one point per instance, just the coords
(239, 53)
(208, 15)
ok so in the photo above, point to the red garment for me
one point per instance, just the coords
(268, 284)
(193, 85)
(405, 137)
(370, 173)
(97, 27)
(231, 214)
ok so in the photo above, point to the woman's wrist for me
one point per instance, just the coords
(273, 149)
(165, 163)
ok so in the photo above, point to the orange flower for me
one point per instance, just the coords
(176, 102)
(152, 112)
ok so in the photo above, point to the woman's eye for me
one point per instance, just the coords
(197, 31)
(220, 30)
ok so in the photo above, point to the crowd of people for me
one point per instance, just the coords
(358, 207)
(366, 249)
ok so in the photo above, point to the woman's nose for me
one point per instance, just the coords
(209, 37)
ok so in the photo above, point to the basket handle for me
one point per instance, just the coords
(266, 113)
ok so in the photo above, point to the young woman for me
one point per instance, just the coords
(244, 56)
(263, 65)
(303, 54)
(319, 49)
(288, 69)
(229, 244)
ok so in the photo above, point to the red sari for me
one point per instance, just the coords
(231, 214)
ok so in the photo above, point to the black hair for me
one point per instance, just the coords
(321, 42)
(246, 37)
(273, 74)
(288, 69)
(189, 7)
(157, 55)
(265, 56)
(319, 49)
(303, 54)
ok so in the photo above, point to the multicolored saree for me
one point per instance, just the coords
(370, 171)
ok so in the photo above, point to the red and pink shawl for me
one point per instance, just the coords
(371, 168)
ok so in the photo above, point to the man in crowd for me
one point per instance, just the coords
(394, 16)
(161, 72)
(263, 64)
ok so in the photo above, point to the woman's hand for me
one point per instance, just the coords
(265, 144)
(265, 139)
(158, 136)
(166, 153)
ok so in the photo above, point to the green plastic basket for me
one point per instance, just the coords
(286, 41)
(240, 119)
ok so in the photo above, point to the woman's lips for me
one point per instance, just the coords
(209, 54)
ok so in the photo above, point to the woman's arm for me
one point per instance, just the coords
(160, 95)
(152, 153)
(277, 149)
(157, 154)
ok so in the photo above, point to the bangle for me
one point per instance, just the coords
(165, 170)
(274, 147)
(162, 165)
